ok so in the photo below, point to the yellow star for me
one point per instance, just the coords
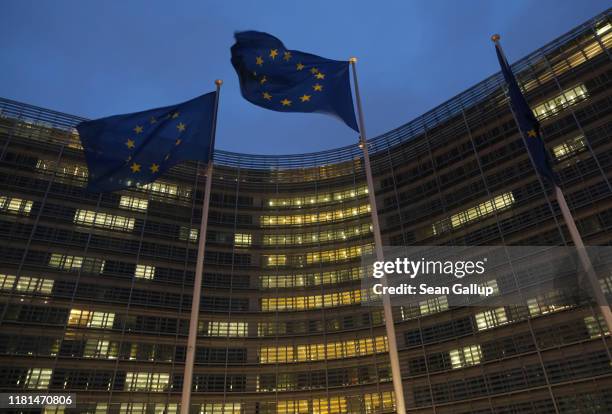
(154, 168)
(267, 96)
(178, 141)
(138, 129)
(273, 53)
(130, 143)
(320, 76)
(152, 120)
(532, 133)
(259, 61)
(314, 70)
(286, 102)
(317, 87)
(175, 115)
(287, 56)
(300, 66)
(305, 98)
(181, 126)
(263, 80)
(135, 167)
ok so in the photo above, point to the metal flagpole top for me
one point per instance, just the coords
(219, 82)
(495, 37)
(353, 59)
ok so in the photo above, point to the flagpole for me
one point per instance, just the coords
(396, 372)
(568, 218)
(197, 284)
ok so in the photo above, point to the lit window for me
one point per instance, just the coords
(311, 279)
(501, 202)
(275, 260)
(65, 262)
(98, 348)
(241, 239)
(548, 302)
(221, 408)
(33, 285)
(228, 329)
(490, 284)
(90, 319)
(337, 196)
(316, 352)
(144, 272)
(146, 381)
(558, 103)
(162, 188)
(161, 408)
(491, 318)
(133, 203)
(15, 205)
(188, 233)
(594, 326)
(328, 300)
(7, 281)
(569, 147)
(425, 307)
(314, 218)
(332, 405)
(103, 220)
(38, 378)
(64, 169)
(466, 356)
(379, 402)
(133, 408)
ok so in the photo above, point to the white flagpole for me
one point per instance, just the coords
(583, 256)
(197, 285)
(396, 372)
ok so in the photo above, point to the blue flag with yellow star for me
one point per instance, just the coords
(134, 149)
(527, 122)
(274, 77)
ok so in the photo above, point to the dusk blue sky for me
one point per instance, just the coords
(95, 59)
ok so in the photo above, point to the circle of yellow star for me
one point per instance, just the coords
(317, 87)
(286, 102)
(287, 56)
(299, 66)
(314, 70)
(138, 129)
(135, 167)
(130, 143)
(175, 115)
(152, 120)
(263, 80)
(273, 53)
(178, 141)
(320, 75)
(154, 168)
(267, 96)
(181, 126)
(259, 61)
(532, 133)
(305, 98)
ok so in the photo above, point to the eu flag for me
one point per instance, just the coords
(274, 77)
(135, 149)
(527, 122)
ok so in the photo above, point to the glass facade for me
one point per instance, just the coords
(95, 289)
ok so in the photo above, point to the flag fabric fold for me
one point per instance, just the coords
(527, 122)
(276, 78)
(135, 149)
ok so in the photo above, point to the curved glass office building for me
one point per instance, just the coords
(96, 289)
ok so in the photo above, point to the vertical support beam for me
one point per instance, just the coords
(396, 372)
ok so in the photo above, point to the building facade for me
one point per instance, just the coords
(95, 289)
